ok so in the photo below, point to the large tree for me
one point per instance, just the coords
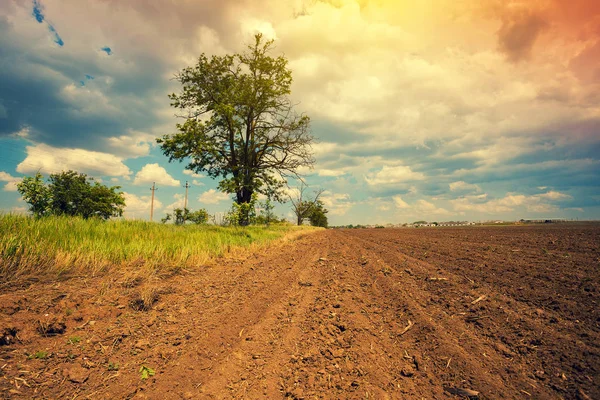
(240, 124)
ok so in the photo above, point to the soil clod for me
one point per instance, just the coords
(9, 335)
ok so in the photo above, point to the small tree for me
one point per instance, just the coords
(240, 124)
(73, 194)
(266, 213)
(302, 206)
(318, 215)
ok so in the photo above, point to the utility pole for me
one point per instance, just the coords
(153, 188)
(186, 195)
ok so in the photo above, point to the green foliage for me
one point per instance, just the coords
(112, 366)
(240, 124)
(353, 226)
(36, 194)
(39, 355)
(242, 214)
(181, 216)
(146, 372)
(198, 217)
(74, 340)
(73, 194)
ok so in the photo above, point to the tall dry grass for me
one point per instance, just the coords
(56, 246)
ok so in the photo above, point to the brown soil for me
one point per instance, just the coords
(509, 312)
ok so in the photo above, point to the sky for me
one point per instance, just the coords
(439, 110)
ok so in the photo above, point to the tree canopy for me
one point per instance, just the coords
(240, 124)
(71, 193)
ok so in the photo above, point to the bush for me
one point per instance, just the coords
(181, 216)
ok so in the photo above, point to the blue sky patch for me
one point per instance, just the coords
(38, 11)
(39, 16)
(57, 39)
(107, 50)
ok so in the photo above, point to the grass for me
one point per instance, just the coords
(65, 245)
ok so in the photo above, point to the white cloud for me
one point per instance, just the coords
(11, 186)
(399, 203)
(192, 174)
(379, 203)
(11, 181)
(427, 209)
(537, 203)
(48, 159)
(154, 173)
(178, 203)
(323, 148)
(330, 172)
(393, 175)
(462, 186)
(139, 206)
(553, 196)
(336, 203)
(252, 26)
(420, 209)
(292, 192)
(135, 144)
(211, 196)
(89, 101)
(23, 133)
(383, 207)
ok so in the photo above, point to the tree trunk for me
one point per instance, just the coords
(244, 196)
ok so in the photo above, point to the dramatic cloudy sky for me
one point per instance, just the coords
(436, 110)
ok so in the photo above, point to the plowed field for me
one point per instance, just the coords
(486, 312)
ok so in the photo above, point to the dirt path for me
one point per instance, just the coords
(378, 314)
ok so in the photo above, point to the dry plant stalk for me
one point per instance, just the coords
(410, 325)
(482, 297)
